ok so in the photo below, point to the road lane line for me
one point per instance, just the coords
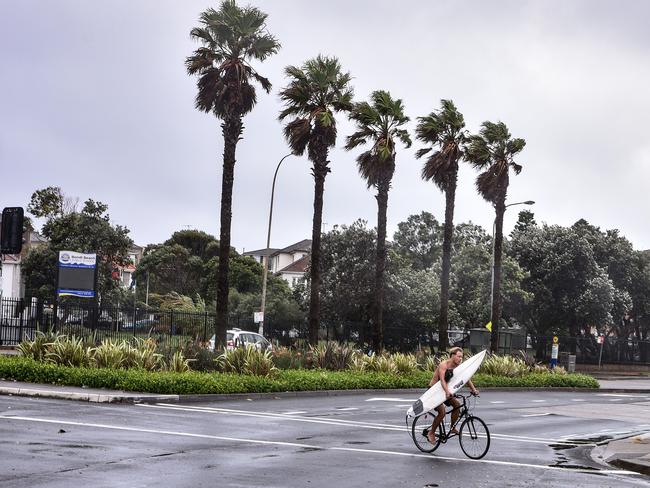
(311, 446)
(537, 414)
(622, 395)
(299, 412)
(498, 401)
(337, 422)
(385, 399)
(346, 409)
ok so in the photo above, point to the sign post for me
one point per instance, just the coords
(554, 352)
(601, 341)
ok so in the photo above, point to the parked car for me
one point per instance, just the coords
(142, 324)
(238, 338)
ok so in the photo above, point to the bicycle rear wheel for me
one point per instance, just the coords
(474, 438)
(420, 432)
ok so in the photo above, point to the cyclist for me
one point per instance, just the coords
(443, 373)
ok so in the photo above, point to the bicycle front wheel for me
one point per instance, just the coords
(420, 432)
(474, 438)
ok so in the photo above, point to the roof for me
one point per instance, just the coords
(304, 245)
(299, 266)
(261, 252)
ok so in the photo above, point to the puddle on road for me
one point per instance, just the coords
(431, 485)
(357, 442)
(590, 440)
(304, 438)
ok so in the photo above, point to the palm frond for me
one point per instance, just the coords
(230, 36)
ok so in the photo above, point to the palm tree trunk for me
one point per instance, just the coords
(320, 171)
(231, 128)
(443, 326)
(380, 264)
(496, 284)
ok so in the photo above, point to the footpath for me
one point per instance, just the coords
(632, 453)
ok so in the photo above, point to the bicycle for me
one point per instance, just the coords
(473, 435)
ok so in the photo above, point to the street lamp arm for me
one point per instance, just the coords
(265, 259)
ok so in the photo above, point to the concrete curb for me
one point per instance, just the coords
(108, 397)
(637, 465)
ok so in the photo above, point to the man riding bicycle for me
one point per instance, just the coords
(443, 373)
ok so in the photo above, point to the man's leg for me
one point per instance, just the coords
(440, 410)
(455, 413)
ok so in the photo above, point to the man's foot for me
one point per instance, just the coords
(453, 432)
(431, 436)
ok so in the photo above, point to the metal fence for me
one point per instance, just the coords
(21, 318)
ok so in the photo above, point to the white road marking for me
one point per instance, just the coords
(498, 401)
(622, 395)
(537, 414)
(311, 446)
(333, 421)
(346, 409)
(578, 400)
(538, 401)
(385, 399)
(298, 412)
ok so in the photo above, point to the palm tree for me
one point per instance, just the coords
(231, 38)
(315, 92)
(444, 131)
(492, 151)
(379, 124)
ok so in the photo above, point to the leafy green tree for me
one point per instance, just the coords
(492, 151)
(316, 91)
(348, 277)
(89, 230)
(46, 202)
(179, 264)
(525, 220)
(231, 38)
(379, 124)
(571, 292)
(419, 240)
(444, 133)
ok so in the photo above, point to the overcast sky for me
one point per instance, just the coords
(94, 98)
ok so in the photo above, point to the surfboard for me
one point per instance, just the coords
(435, 395)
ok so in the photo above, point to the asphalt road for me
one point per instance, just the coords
(537, 439)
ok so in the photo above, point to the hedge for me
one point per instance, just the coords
(23, 369)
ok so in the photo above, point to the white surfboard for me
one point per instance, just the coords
(435, 395)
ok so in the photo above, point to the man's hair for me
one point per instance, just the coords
(454, 350)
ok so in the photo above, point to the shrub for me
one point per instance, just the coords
(332, 356)
(405, 363)
(38, 348)
(178, 363)
(504, 366)
(23, 369)
(287, 358)
(143, 355)
(247, 360)
(67, 351)
(109, 354)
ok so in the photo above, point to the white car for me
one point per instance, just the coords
(237, 338)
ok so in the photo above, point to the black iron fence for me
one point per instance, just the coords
(20, 319)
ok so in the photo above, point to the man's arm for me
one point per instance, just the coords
(472, 388)
(443, 370)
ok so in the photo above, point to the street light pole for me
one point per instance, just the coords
(494, 223)
(265, 259)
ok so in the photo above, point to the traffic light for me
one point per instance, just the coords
(11, 234)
